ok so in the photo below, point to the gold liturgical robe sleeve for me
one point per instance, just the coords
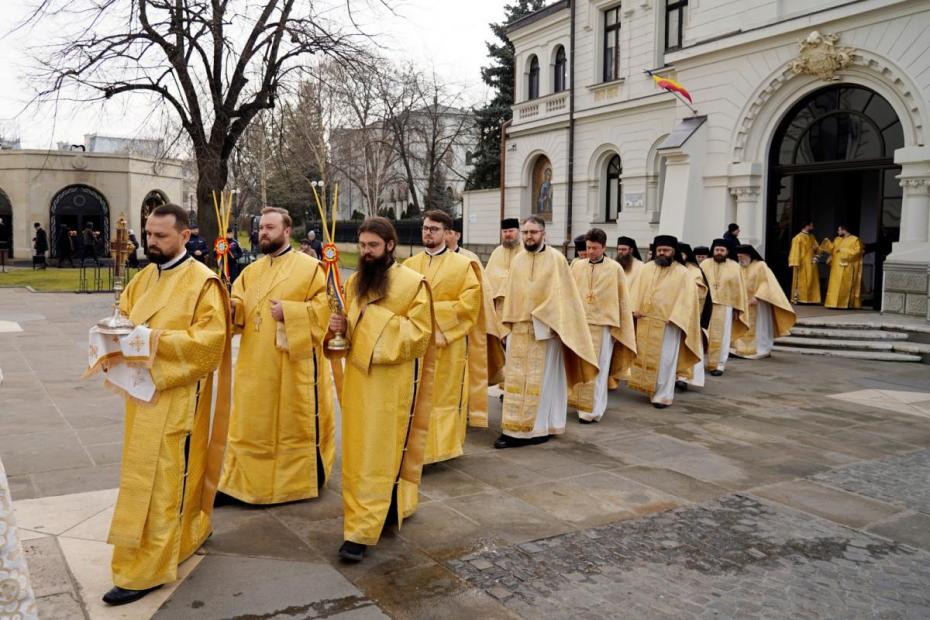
(305, 321)
(541, 287)
(768, 289)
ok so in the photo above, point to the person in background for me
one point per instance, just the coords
(65, 243)
(731, 237)
(133, 251)
(40, 245)
(315, 244)
(88, 244)
(235, 253)
(197, 245)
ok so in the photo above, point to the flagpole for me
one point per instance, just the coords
(680, 98)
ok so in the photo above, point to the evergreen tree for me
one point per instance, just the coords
(499, 75)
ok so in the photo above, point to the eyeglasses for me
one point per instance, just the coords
(432, 229)
(530, 231)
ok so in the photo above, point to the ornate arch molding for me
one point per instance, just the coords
(599, 158)
(783, 88)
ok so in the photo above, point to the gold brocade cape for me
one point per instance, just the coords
(663, 295)
(845, 287)
(283, 401)
(541, 286)
(455, 285)
(762, 285)
(171, 457)
(386, 400)
(726, 289)
(498, 269)
(805, 279)
(486, 366)
(606, 298)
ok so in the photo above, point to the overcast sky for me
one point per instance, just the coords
(446, 35)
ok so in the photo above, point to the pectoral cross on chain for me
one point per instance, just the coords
(590, 297)
(257, 321)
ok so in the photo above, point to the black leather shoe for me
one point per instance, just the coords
(502, 442)
(583, 421)
(122, 596)
(681, 386)
(660, 405)
(716, 373)
(352, 552)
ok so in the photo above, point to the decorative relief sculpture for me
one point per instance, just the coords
(820, 57)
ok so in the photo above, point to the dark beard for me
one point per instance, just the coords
(663, 261)
(269, 246)
(532, 247)
(156, 257)
(719, 259)
(625, 261)
(373, 277)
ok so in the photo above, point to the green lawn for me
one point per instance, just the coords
(51, 279)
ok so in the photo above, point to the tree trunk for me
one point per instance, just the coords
(212, 176)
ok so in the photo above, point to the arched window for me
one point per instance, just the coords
(561, 70)
(614, 194)
(533, 86)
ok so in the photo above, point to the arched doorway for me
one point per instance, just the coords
(76, 206)
(154, 198)
(541, 183)
(831, 161)
(6, 224)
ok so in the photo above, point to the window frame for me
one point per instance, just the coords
(678, 7)
(532, 82)
(560, 71)
(609, 177)
(611, 33)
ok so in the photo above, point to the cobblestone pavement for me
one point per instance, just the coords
(903, 480)
(733, 557)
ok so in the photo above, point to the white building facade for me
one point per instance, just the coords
(803, 110)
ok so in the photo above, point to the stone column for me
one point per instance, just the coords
(744, 180)
(907, 268)
(748, 214)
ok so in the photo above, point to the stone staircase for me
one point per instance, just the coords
(867, 339)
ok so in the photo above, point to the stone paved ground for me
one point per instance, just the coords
(647, 514)
(733, 557)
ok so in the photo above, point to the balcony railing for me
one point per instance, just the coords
(538, 109)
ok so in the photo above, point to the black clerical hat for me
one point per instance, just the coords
(457, 226)
(666, 241)
(631, 243)
(510, 222)
(703, 250)
(685, 248)
(580, 244)
(720, 243)
(748, 249)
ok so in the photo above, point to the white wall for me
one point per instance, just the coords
(481, 216)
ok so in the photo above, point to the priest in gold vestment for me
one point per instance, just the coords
(727, 291)
(549, 348)
(171, 457)
(770, 314)
(688, 258)
(603, 289)
(498, 267)
(805, 279)
(668, 330)
(629, 258)
(453, 236)
(281, 443)
(845, 287)
(386, 390)
(455, 283)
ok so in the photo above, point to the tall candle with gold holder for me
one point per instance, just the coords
(117, 324)
(330, 259)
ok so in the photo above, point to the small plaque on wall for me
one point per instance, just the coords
(633, 200)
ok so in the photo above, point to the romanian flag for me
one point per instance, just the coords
(672, 86)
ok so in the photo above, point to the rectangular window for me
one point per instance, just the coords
(612, 44)
(674, 23)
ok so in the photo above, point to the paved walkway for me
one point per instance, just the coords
(790, 487)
